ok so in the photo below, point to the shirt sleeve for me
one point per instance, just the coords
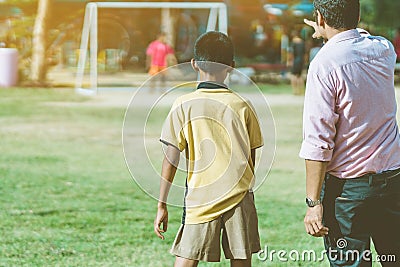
(150, 49)
(172, 132)
(253, 128)
(319, 119)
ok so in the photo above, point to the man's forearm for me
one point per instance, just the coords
(315, 173)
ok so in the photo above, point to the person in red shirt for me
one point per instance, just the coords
(156, 60)
(157, 52)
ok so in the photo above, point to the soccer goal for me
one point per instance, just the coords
(218, 13)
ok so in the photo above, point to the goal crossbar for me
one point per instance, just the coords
(218, 12)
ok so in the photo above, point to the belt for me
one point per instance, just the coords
(372, 178)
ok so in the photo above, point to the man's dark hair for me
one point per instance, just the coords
(339, 13)
(213, 47)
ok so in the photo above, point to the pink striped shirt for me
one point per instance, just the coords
(350, 107)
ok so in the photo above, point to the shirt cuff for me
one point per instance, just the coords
(312, 152)
(172, 143)
(257, 145)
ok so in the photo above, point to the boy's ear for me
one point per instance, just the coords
(194, 65)
(320, 19)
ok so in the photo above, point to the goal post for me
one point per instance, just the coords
(218, 13)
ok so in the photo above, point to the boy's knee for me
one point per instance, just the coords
(182, 262)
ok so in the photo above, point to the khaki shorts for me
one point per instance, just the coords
(240, 236)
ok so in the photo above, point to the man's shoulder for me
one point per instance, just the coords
(337, 55)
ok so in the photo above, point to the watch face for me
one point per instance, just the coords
(308, 201)
(311, 203)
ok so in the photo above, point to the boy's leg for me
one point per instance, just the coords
(197, 242)
(240, 238)
(182, 262)
(241, 263)
(154, 77)
(163, 80)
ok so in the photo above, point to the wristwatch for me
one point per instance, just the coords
(312, 203)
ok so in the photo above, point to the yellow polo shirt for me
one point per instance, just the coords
(217, 129)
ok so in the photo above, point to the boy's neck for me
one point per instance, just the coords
(211, 77)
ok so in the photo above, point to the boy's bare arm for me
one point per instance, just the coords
(169, 166)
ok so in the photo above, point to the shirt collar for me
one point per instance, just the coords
(206, 86)
(343, 36)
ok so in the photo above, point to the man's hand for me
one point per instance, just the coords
(316, 34)
(161, 218)
(313, 221)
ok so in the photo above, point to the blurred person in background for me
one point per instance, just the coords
(298, 50)
(316, 45)
(157, 59)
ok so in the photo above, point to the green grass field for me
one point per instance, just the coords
(67, 198)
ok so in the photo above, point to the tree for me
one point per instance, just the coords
(387, 13)
(38, 63)
(367, 11)
(381, 13)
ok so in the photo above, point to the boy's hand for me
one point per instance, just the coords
(161, 218)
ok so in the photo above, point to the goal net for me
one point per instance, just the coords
(217, 20)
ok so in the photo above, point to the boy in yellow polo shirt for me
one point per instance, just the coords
(219, 132)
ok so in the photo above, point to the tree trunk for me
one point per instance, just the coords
(38, 64)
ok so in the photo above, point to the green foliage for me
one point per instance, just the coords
(367, 11)
(387, 13)
(380, 16)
